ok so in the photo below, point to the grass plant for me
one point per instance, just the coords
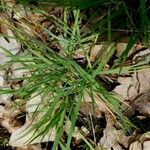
(60, 79)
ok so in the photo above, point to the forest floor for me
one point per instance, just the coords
(72, 79)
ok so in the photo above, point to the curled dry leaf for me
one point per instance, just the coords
(140, 103)
(95, 52)
(142, 144)
(144, 137)
(126, 89)
(23, 135)
(8, 118)
(113, 138)
(120, 47)
(142, 78)
(9, 44)
(131, 88)
(136, 146)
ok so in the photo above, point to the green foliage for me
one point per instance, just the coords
(73, 3)
(60, 79)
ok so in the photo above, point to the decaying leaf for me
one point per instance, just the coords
(136, 146)
(9, 44)
(23, 135)
(140, 103)
(113, 138)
